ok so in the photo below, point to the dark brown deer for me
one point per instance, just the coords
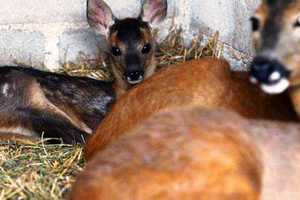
(194, 153)
(207, 82)
(131, 41)
(35, 103)
(276, 33)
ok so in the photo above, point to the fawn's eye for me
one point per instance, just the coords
(116, 51)
(297, 23)
(146, 48)
(255, 23)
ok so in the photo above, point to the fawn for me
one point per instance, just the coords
(195, 153)
(276, 35)
(207, 82)
(131, 41)
(35, 103)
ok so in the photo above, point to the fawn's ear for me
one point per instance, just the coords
(100, 16)
(154, 11)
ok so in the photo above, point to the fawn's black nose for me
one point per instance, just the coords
(267, 71)
(134, 77)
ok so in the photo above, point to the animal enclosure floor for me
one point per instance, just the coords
(38, 171)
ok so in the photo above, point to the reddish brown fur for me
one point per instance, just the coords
(186, 154)
(193, 153)
(206, 83)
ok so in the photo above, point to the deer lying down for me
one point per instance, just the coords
(35, 103)
(131, 41)
(193, 153)
(207, 82)
(276, 34)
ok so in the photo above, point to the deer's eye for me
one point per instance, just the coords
(297, 23)
(146, 48)
(116, 51)
(255, 23)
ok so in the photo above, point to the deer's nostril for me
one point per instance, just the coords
(134, 77)
(260, 69)
(270, 74)
(267, 71)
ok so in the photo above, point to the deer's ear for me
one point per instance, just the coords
(154, 11)
(100, 16)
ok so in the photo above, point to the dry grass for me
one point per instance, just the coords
(39, 171)
(172, 50)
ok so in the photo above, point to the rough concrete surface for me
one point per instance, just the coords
(50, 33)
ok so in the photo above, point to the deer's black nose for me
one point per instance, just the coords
(267, 71)
(134, 77)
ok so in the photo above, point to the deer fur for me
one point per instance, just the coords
(196, 153)
(207, 82)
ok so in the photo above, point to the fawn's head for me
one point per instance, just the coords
(276, 35)
(130, 40)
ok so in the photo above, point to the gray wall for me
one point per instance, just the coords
(49, 33)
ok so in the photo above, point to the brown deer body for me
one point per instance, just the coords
(195, 153)
(131, 41)
(36, 103)
(207, 82)
(276, 34)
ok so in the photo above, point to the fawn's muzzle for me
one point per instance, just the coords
(270, 74)
(134, 77)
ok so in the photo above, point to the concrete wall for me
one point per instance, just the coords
(50, 33)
